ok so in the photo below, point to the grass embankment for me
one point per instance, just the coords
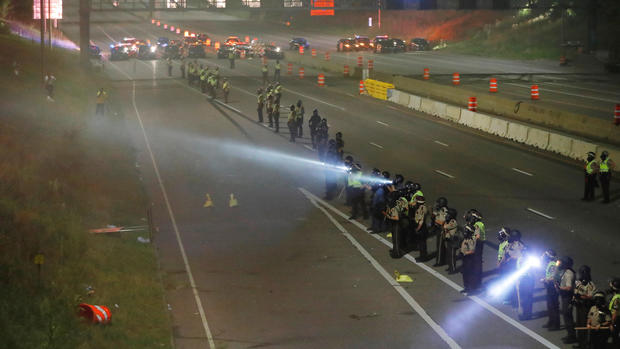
(61, 173)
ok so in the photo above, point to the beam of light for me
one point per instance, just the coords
(35, 35)
(508, 282)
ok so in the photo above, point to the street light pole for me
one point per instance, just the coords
(379, 14)
(42, 12)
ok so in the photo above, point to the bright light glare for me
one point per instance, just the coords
(505, 284)
(153, 48)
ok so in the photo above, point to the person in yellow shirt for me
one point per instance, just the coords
(102, 96)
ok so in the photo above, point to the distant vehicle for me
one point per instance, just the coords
(202, 37)
(390, 46)
(273, 52)
(196, 51)
(295, 43)
(419, 44)
(173, 50)
(119, 53)
(362, 43)
(224, 50)
(233, 40)
(94, 52)
(146, 51)
(345, 45)
(163, 41)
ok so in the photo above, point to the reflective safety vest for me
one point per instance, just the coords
(277, 66)
(101, 97)
(480, 226)
(203, 76)
(212, 80)
(501, 250)
(551, 270)
(354, 180)
(414, 196)
(604, 166)
(260, 98)
(264, 69)
(278, 90)
(231, 55)
(216, 73)
(589, 169)
(226, 86)
(615, 298)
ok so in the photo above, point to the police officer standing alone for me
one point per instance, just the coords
(102, 96)
(169, 64)
(226, 89)
(231, 59)
(607, 165)
(566, 288)
(590, 171)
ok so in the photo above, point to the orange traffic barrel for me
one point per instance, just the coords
(242, 54)
(263, 60)
(534, 92)
(346, 70)
(216, 45)
(427, 74)
(617, 115)
(313, 52)
(171, 28)
(165, 26)
(301, 72)
(158, 23)
(493, 85)
(472, 105)
(371, 64)
(208, 42)
(97, 314)
(301, 50)
(563, 60)
(456, 79)
(152, 21)
(327, 56)
(361, 86)
(321, 80)
(247, 39)
(290, 69)
(360, 61)
(178, 30)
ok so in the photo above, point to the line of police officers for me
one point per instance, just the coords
(208, 81)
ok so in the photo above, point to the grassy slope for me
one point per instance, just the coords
(60, 175)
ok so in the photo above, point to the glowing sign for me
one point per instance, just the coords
(51, 8)
(322, 8)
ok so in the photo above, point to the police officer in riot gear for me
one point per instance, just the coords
(451, 239)
(440, 211)
(550, 259)
(605, 167)
(566, 288)
(590, 170)
(468, 250)
(398, 215)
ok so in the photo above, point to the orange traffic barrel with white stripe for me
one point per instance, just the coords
(493, 85)
(247, 39)
(327, 56)
(371, 64)
(321, 80)
(301, 50)
(152, 21)
(97, 314)
(617, 115)
(346, 70)
(158, 23)
(171, 28)
(165, 26)
(216, 45)
(472, 105)
(178, 30)
(456, 79)
(534, 92)
(301, 72)
(208, 42)
(361, 86)
(360, 61)
(290, 69)
(313, 52)
(427, 74)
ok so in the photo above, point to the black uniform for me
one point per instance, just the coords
(313, 124)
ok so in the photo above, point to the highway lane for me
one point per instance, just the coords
(480, 152)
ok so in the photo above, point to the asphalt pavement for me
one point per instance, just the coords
(285, 268)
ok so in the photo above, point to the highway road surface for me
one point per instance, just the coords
(284, 268)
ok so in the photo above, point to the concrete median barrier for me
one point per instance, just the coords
(560, 144)
(517, 132)
(453, 113)
(467, 118)
(482, 122)
(537, 138)
(414, 102)
(498, 127)
(403, 99)
(580, 149)
(393, 95)
(440, 109)
(427, 106)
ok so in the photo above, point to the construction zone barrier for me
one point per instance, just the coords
(617, 115)
(414, 102)
(377, 89)
(313, 52)
(498, 127)
(166, 26)
(178, 30)
(158, 23)
(216, 46)
(537, 138)
(482, 122)
(580, 149)
(427, 74)
(472, 104)
(534, 92)
(456, 79)
(171, 28)
(97, 314)
(345, 70)
(371, 64)
(493, 85)
(360, 61)
(467, 118)
(427, 106)
(560, 144)
(152, 21)
(453, 113)
(327, 56)
(403, 98)
(301, 72)
(393, 95)
(361, 86)
(517, 132)
(321, 80)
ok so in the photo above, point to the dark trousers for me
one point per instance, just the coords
(377, 225)
(598, 339)
(100, 109)
(276, 120)
(399, 237)
(450, 256)
(182, 72)
(260, 112)
(581, 320)
(441, 248)
(232, 63)
(358, 203)
(203, 86)
(169, 70)
(553, 306)
(313, 138)
(50, 90)
(567, 314)
(588, 191)
(226, 96)
(330, 185)
(468, 270)
(292, 130)
(270, 118)
(525, 292)
(605, 179)
(421, 241)
(477, 275)
(276, 75)
(300, 127)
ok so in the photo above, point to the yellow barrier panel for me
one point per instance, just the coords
(377, 89)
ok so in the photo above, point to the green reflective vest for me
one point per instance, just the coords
(615, 298)
(604, 167)
(480, 226)
(260, 98)
(277, 66)
(414, 196)
(264, 69)
(550, 270)
(501, 250)
(589, 169)
(354, 180)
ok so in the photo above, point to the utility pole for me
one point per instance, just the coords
(84, 32)
(41, 2)
(49, 22)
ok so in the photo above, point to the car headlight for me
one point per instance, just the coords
(347, 45)
(277, 49)
(153, 48)
(125, 49)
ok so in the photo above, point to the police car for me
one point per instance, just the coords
(232, 41)
(295, 43)
(362, 43)
(345, 45)
(119, 52)
(196, 50)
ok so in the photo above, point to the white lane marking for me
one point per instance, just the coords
(391, 107)
(602, 90)
(441, 277)
(120, 70)
(567, 93)
(522, 172)
(308, 147)
(383, 123)
(540, 213)
(444, 174)
(315, 99)
(190, 275)
(350, 95)
(441, 143)
(106, 34)
(376, 145)
(244, 91)
(228, 106)
(397, 287)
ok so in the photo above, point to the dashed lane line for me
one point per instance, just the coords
(441, 143)
(308, 147)
(392, 107)
(397, 287)
(315, 99)
(567, 93)
(540, 213)
(441, 277)
(444, 174)
(383, 123)
(522, 172)
(376, 145)
(175, 227)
